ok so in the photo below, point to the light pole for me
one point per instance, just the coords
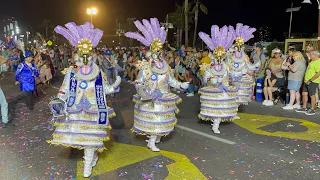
(309, 2)
(91, 12)
(167, 25)
(291, 10)
(28, 33)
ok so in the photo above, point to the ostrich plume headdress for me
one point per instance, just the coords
(242, 33)
(220, 40)
(20, 46)
(152, 34)
(84, 36)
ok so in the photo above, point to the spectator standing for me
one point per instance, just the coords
(312, 81)
(297, 69)
(4, 109)
(257, 56)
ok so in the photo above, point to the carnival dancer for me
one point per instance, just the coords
(218, 99)
(14, 59)
(25, 76)
(241, 69)
(86, 116)
(155, 106)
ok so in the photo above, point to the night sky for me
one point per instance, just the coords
(254, 13)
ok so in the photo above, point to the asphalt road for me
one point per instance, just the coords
(267, 143)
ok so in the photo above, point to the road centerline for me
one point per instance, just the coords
(205, 135)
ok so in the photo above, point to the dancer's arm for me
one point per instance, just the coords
(110, 88)
(64, 89)
(18, 72)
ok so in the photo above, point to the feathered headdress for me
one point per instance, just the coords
(19, 45)
(241, 34)
(152, 34)
(85, 37)
(220, 40)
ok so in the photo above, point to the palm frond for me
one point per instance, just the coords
(203, 8)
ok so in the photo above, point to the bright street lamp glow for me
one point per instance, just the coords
(92, 11)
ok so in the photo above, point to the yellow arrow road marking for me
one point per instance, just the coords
(121, 155)
(253, 122)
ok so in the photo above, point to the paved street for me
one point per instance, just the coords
(268, 143)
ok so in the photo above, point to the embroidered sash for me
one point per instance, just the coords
(72, 89)
(100, 97)
(101, 102)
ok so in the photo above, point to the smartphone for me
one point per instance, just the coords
(268, 73)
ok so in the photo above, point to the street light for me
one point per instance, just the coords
(91, 12)
(309, 2)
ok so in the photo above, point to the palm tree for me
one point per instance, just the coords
(195, 10)
(177, 18)
(186, 18)
(45, 23)
(130, 21)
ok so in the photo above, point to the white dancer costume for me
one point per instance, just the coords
(219, 100)
(239, 63)
(84, 117)
(155, 106)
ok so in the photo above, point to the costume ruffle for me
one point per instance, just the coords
(155, 118)
(218, 103)
(81, 131)
(245, 90)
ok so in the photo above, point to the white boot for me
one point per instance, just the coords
(95, 159)
(158, 140)
(88, 158)
(152, 143)
(215, 126)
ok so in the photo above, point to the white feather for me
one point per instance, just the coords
(19, 45)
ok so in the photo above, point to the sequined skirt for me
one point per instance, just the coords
(155, 117)
(81, 131)
(218, 104)
(245, 90)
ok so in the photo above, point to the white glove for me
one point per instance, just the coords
(184, 85)
(214, 81)
(117, 83)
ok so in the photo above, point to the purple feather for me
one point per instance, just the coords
(215, 32)
(147, 24)
(238, 28)
(75, 33)
(207, 40)
(137, 36)
(87, 27)
(80, 32)
(224, 35)
(229, 40)
(67, 34)
(154, 24)
(144, 31)
(73, 29)
(97, 35)
(231, 30)
(245, 31)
